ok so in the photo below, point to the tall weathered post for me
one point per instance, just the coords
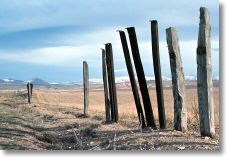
(86, 87)
(204, 75)
(105, 85)
(111, 82)
(109, 77)
(158, 74)
(178, 81)
(141, 78)
(29, 89)
(132, 79)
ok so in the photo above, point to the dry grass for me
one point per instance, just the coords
(54, 120)
(126, 103)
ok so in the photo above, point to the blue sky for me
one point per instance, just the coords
(50, 39)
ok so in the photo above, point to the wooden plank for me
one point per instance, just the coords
(178, 81)
(132, 79)
(141, 78)
(86, 87)
(158, 74)
(204, 75)
(105, 85)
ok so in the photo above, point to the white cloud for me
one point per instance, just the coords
(74, 55)
(188, 56)
(61, 56)
(20, 15)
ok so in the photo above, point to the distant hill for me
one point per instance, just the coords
(38, 81)
(11, 81)
(2, 81)
(121, 83)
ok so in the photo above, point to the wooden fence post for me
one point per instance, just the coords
(204, 75)
(86, 87)
(178, 81)
(111, 82)
(105, 85)
(29, 89)
(158, 74)
(141, 78)
(132, 79)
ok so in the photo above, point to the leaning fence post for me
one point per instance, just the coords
(86, 87)
(158, 74)
(132, 78)
(105, 85)
(29, 89)
(141, 78)
(204, 75)
(178, 81)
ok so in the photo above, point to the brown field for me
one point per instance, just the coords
(54, 121)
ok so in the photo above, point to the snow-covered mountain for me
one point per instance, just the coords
(96, 81)
(93, 81)
(190, 77)
(8, 80)
(54, 83)
(39, 81)
(165, 78)
(72, 83)
(148, 78)
(122, 79)
(216, 77)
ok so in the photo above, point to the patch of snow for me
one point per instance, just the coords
(190, 77)
(96, 81)
(54, 83)
(28, 81)
(122, 79)
(8, 80)
(71, 83)
(149, 78)
(166, 78)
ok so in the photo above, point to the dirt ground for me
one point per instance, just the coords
(54, 121)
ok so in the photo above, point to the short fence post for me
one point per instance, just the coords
(204, 75)
(29, 89)
(141, 78)
(105, 85)
(111, 82)
(178, 81)
(132, 79)
(86, 87)
(158, 74)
